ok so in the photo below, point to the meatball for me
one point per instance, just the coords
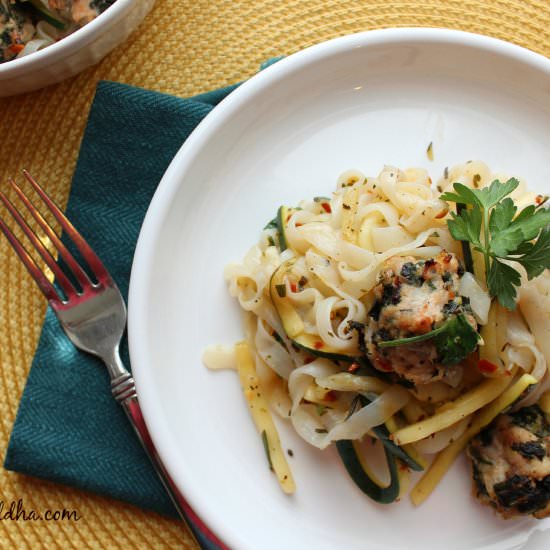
(16, 29)
(413, 298)
(511, 463)
(79, 11)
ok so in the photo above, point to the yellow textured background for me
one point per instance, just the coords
(182, 48)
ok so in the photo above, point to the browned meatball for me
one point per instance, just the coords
(79, 12)
(511, 463)
(412, 299)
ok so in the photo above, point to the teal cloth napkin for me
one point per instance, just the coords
(68, 427)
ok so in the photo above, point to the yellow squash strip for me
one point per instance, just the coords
(392, 426)
(489, 351)
(413, 411)
(447, 456)
(259, 410)
(501, 327)
(454, 411)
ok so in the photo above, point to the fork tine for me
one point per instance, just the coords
(41, 280)
(61, 278)
(95, 264)
(68, 258)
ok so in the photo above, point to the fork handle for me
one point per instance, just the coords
(124, 391)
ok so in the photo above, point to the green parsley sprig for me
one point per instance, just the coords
(493, 226)
(454, 340)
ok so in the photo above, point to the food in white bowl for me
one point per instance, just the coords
(45, 41)
(283, 136)
(27, 26)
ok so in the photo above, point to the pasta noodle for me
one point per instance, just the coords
(362, 321)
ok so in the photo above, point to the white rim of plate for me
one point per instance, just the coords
(142, 267)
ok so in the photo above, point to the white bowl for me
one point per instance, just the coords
(76, 52)
(356, 102)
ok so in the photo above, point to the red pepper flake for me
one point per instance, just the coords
(16, 48)
(326, 207)
(294, 287)
(354, 367)
(318, 344)
(486, 366)
(539, 199)
(424, 325)
(330, 396)
(384, 365)
(299, 224)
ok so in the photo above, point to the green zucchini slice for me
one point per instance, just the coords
(361, 474)
(355, 468)
(283, 214)
(383, 434)
(48, 15)
(466, 250)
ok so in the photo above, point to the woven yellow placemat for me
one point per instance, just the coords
(183, 47)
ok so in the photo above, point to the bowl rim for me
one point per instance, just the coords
(66, 46)
(143, 265)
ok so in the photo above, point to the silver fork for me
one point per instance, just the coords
(94, 318)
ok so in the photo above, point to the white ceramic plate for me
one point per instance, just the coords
(359, 101)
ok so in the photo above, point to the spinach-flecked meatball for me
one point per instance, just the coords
(511, 463)
(79, 11)
(414, 297)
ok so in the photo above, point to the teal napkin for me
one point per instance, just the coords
(68, 427)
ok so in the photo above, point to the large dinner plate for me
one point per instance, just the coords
(360, 101)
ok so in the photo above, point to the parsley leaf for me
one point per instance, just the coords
(537, 258)
(466, 226)
(458, 340)
(463, 195)
(502, 280)
(454, 340)
(502, 215)
(492, 195)
(492, 225)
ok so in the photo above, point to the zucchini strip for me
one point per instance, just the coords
(447, 456)
(466, 250)
(455, 410)
(259, 410)
(282, 217)
(383, 432)
(489, 350)
(359, 473)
